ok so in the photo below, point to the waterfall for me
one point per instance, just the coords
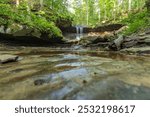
(79, 32)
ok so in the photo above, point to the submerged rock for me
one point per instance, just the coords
(40, 82)
(8, 58)
(111, 89)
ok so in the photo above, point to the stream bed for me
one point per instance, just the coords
(53, 74)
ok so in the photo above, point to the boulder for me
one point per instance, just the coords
(40, 82)
(8, 58)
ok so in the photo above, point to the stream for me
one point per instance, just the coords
(53, 74)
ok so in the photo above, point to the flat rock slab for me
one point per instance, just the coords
(8, 58)
(137, 50)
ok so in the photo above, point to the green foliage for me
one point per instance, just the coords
(136, 22)
(5, 14)
(4, 1)
(22, 16)
(43, 25)
(93, 12)
(48, 14)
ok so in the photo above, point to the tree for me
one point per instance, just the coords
(147, 4)
(129, 5)
(17, 2)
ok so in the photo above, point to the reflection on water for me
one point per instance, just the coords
(112, 89)
(74, 75)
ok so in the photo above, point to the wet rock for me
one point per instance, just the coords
(144, 52)
(111, 90)
(147, 31)
(16, 70)
(95, 41)
(41, 64)
(40, 82)
(137, 50)
(87, 40)
(95, 73)
(134, 41)
(8, 58)
(84, 81)
(99, 39)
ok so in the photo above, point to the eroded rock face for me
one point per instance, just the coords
(104, 28)
(95, 37)
(136, 41)
(24, 35)
(100, 39)
(92, 40)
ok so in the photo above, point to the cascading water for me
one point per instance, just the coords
(79, 32)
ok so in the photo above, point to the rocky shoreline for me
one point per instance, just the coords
(112, 40)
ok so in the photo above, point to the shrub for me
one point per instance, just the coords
(22, 16)
(137, 22)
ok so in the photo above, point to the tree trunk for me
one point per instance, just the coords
(17, 2)
(114, 12)
(87, 12)
(129, 6)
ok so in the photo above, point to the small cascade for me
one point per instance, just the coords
(79, 32)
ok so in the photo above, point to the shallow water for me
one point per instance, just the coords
(46, 73)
